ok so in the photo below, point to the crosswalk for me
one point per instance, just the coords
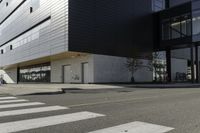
(9, 104)
(135, 127)
(12, 106)
(47, 121)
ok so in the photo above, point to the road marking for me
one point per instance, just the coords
(46, 121)
(135, 127)
(124, 100)
(6, 98)
(13, 101)
(31, 110)
(112, 101)
(20, 105)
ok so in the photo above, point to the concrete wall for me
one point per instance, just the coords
(76, 66)
(113, 69)
(178, 65)
(144, 74)
(110, 69)
(9, 76)
(102, 69)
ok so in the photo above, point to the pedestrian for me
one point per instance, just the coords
(1, 80)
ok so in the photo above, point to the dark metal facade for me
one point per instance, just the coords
(112, 27)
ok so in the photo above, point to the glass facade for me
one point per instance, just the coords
(176, 27)
(186, 26)
(196, 22)
(158, 5)
(37, 73)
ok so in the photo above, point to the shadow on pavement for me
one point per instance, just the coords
(104, 90)
(44, 93)
(123, 89)
(82, 91)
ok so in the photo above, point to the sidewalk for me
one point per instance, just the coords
(25, 89)
(169, 85)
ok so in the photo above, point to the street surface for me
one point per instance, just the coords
(120, 110)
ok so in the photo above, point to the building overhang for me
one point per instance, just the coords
(64, 55)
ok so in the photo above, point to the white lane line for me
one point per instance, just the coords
(135, 127)
(45, 121)
(20, 105)
(6, 98)
(13, 101)
(31, 110)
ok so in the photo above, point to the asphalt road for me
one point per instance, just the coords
(174, 108)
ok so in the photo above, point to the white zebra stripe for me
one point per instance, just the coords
(31, 110)
(135, 127)
(45, 121)
(13, 101)
(6, 98)
(20, 105)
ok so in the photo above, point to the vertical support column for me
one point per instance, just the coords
(192, 64)
(167, 3)
(168, 57)
(18, 74)
(197, 63)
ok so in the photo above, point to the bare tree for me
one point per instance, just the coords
(137, 62)
(133, 65)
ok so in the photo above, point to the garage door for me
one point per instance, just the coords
(67, 74)
(85, 73)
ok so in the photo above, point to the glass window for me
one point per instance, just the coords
(166, 30)
(36, 73)
(176, 28)
(186, 26)
(158, 5)
(196, 26)
(196, 22)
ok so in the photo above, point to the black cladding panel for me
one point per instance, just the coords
(111, 27)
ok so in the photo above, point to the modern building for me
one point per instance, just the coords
(179, 30)
(76, 41)
(67, 41)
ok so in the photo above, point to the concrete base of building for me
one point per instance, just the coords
(86, 68)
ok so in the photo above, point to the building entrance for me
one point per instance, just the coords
(35, 73)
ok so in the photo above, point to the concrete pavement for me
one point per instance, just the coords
(22, 89)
